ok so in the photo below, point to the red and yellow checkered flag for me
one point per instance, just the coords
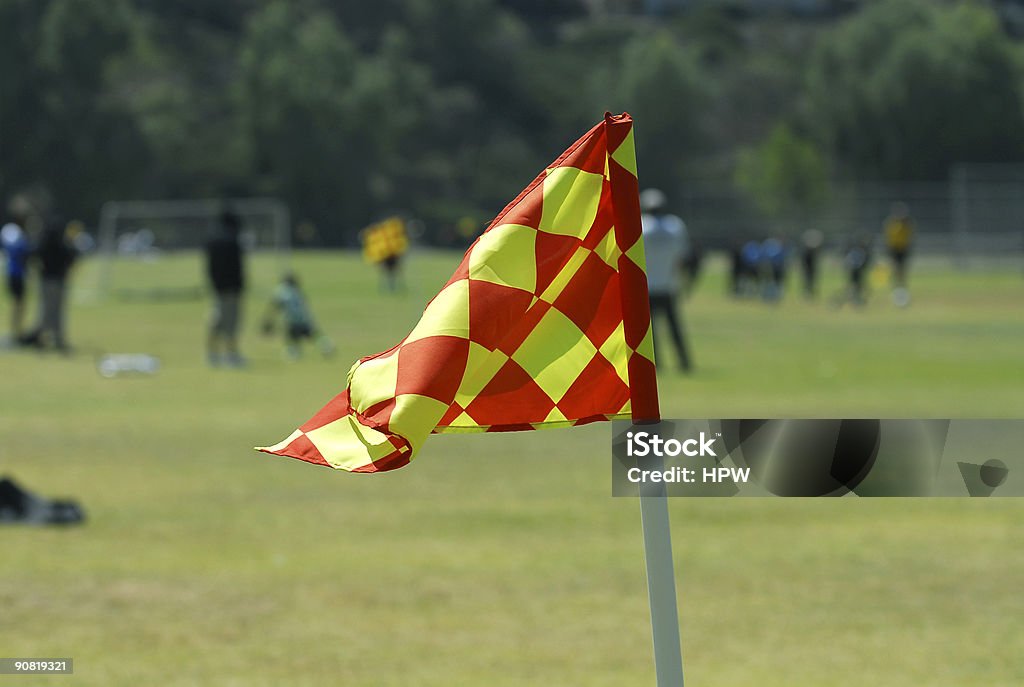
(545, 323)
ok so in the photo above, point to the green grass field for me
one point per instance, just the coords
(497, 560)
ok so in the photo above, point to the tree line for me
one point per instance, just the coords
(444, 109)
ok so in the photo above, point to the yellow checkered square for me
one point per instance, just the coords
(481, 367)
(616, 352)
(625, 154)
(571, 199)
(373, 381)
(417, 413)
(555, 353)
(608, 250)
(446, 315)
(347, 444)
(565, 275)
(506, 255)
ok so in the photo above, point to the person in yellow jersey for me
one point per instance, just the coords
(899, 235)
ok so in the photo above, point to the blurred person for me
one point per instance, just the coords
(665, 248)
(899, 235)
(290, 303)
(750, 276)
(54, 256)
(81, 239)
(810, 248)
(20, 506)
(856, 261)
(16, 248)
(773, 268)
(691, 265)
(391, 271)
(226, 271)
(735, 267)
(385, 244)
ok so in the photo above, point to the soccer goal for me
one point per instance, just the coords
(135, 234)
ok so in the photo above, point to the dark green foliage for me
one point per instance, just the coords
(907, 88)
(445, 108)
(785, 175)
(659, 83)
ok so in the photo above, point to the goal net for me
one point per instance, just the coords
(134, 235)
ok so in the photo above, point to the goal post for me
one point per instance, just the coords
(132, 234)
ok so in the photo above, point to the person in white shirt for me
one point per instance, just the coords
(666, 245)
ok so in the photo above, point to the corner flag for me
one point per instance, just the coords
(545, 323)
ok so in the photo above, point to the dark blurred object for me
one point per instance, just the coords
(810, 248)
(225, 269)
(18, 506)
(54, 256)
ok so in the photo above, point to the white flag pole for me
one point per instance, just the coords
(661, 586)
(636, 319)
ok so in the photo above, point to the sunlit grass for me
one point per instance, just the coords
(497, 560)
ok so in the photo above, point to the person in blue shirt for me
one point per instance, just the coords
(773, 255)
(750, 256)
(16, 248)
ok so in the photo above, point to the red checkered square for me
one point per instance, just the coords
(591, 299)
(303, 449)
(603, 223)
(432, 367)
(597, 390)
(511, 397)
(590, 157)
(449, 417)
(495, 311)
(515, 337)
(553, 251)
(335, 408)
(526, 211)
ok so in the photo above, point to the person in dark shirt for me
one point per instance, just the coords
(226, 273)
(810, 248)
(54, 257)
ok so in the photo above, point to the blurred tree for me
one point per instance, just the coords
(444, 146)
(61, 132)
(659, 84)
(785, 175)
(175, 79)
(444, 107)
(347, 134)
(21, 102)
(296, 70)
(715, 28)
(904, 89)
